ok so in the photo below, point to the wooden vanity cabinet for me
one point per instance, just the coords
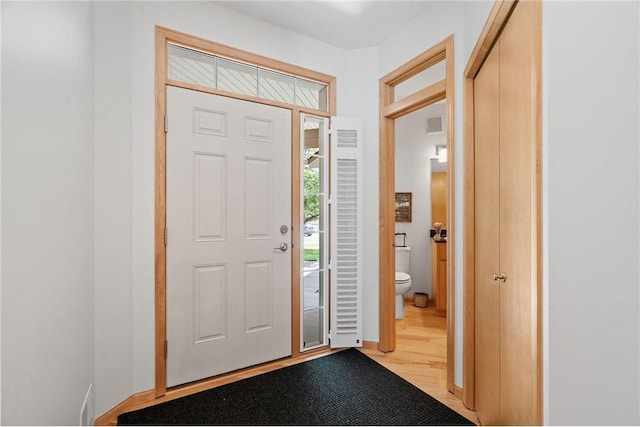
(439, 276)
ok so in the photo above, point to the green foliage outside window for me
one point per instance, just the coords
(311, 189)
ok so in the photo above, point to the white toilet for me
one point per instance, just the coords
(403, 279)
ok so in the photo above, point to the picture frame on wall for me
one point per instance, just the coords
(403, 207)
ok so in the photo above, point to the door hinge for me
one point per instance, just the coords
(166, 236)
(166, 124)
(166, 348)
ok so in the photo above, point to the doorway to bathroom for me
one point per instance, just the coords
(424, 81)
(421, 242)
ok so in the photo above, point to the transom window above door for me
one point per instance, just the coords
(204, 69)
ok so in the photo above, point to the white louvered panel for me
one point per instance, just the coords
(346, 233)
(346, 257)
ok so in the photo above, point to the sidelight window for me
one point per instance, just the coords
(314, 236)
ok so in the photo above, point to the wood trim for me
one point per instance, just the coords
(426, 59)
(249, 98)
(162, 37)
(458, 392)
(147, 398)
(110, 418)
(295, 234)
(539, 212)
(451, 210)
(387, 338)
(370, 345)
(495, 22)
(427, 96)
(160, 218)
(389, 111)
(469, 245)
(498, 17)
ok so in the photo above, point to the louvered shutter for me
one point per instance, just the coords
(346, 232)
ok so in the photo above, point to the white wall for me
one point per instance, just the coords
(591, 139)
(47, 207)
(465, 20)
(113, 204)
(413, 153)
(358, 97)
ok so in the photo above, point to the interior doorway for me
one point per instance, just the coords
(405, 90)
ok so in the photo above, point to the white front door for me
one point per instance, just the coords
(228, 234)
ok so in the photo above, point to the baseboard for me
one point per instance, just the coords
(457, 392)
(370, 345)
(110, 418)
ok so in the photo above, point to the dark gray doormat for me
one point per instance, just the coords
(345, 388)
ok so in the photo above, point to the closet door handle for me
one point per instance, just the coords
(502, 277)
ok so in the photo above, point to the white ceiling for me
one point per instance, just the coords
(346, 24)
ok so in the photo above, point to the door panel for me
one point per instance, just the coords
(487, 232)
(228, 193)
(517, 243)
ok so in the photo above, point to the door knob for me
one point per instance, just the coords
(502, 277)
(283, 247)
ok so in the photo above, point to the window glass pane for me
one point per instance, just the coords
(314, 238)
(314, 136)
(276, 86)
(313, 177)
(237, 77)
(426, 78)
(313, 315)
(311, 94)
(191, 66)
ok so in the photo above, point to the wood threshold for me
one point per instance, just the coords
(497, 19)
(389, 111)
(163, 37)
(147, 398)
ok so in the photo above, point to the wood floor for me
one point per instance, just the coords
(421, 355)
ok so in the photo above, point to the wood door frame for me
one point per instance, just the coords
(164, 36)
(496, 21)
(389, 111)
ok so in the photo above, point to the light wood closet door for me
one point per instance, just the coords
(487, 223)
(518, 336)
(505, 226)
